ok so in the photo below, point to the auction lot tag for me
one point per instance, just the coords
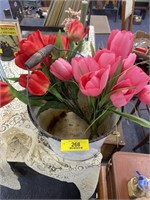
(75, 145)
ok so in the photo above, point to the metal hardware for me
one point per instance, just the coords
(117, 133)
(38, 56)
(109, 165)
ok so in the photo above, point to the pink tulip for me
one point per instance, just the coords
(38, 83)
(129, 61)
(137, 77)
(82, 65)
(120, 42)
(122, 93)
(93, 83)
(144, 95)
(107, 58)
(5, 94)
(61, 69)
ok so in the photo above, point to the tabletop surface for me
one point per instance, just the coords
(100, 23)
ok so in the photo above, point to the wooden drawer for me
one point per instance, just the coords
(102, 183)
(113, 179)
(113, 143)
(124, 166)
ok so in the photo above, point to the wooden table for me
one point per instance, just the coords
(100, 23)
(113, 180)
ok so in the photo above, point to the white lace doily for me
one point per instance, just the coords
(24, 145)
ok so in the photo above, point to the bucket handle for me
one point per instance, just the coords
(38, 56)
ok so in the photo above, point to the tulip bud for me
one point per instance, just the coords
(61, 69)
(144, 95)
(76, 31)
(5, 93)
(93, 83)
(120, 42)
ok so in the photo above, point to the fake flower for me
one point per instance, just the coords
(32, 44)
(5, 94)
(37, 83)
(76, 31)
(107, 79)
(144, 95)
(118, 40)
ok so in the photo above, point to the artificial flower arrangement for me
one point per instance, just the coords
(107, 80)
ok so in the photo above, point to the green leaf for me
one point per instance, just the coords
(70, 50)
(117, 72)
(22, 97)
(114, 78)
(51, 104)
(133, 118)
(44, 97)
(103, 113)
(45, 70)
(53, 91)
(72, 90)
(103, 117)
(111, 82)
(13, 79)
(79, 46)
(75, 50)
(59, 50)
(104, 100)
(125, 88)
(92, 49)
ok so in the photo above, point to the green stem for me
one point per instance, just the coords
(95, 122)
(84, 8)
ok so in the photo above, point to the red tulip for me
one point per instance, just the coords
(38, 83)
(6, 95)
(76, 31)
(34, 43)
(107, 58)
(82, 65)
(93, 83)
(144, 95)
(61, 69)
(120, 42)
(23, 80)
